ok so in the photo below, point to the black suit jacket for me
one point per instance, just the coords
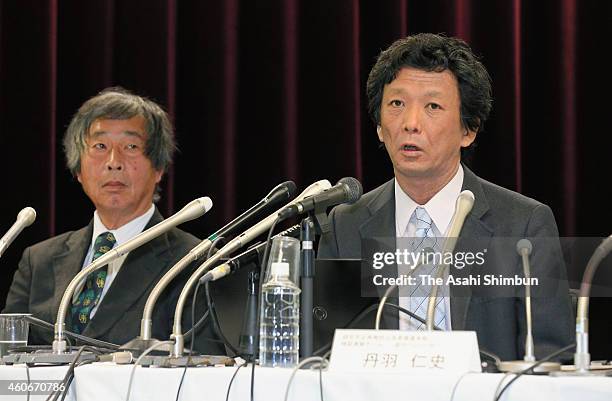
(46, 269)
(499, 321)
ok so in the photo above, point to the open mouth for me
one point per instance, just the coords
(410, 148)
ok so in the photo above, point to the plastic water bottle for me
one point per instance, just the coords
(280, 319)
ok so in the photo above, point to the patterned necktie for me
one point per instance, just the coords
(425, 239)
(94, 284)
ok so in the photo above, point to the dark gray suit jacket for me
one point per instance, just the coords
(46, 269)
(498, 320)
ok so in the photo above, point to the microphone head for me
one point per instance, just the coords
(313, 189)
(524, 244)
(286, 190)
(606, 245)
(463, 206)
(467, 198)
(352, 188)
(27, 215)
(194, 209)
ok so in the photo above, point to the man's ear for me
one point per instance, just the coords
(158, 175)
(468, 138)
(379, 132)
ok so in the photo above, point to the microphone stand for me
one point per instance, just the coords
(524, 248)
(317, 222)
(582, 357)
(306, 284)
(248, 335)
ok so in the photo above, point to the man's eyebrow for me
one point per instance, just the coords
(430, 93)
(395, 91)
(433, 93)
(97, 134)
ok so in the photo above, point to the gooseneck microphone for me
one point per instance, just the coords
(246, 257)
(192, 210)
(582, 358)
(281, 193)
(232, 246)
(463, 206)
(524, 249)
(347, 190)
(26, 217)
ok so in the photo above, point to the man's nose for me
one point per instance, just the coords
(411, 120)
(115, 160)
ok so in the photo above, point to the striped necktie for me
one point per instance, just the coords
(425, 238)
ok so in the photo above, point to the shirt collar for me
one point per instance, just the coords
(440, 208)
(126, 231)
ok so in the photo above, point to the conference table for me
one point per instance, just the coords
(108, 381)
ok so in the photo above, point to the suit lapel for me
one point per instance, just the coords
(381, 227)
(382, 214)
(138, 273)
(475, 231)
(67, 264)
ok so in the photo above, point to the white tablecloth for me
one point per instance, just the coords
(106, 382)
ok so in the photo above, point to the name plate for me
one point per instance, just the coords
(419, 352)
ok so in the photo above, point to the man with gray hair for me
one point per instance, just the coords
(118, 145)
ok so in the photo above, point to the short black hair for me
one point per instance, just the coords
(435, 52)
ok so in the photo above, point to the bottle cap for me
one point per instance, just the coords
(279, 269)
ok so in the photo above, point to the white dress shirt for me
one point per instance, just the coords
(122, 234)
(440, 208)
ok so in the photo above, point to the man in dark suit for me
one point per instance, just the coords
(118, 145)
(429, 96)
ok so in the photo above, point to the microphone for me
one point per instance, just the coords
(524, 249)
(280, 193)
(26, 217)
(463, 206)
(347, 190)
(232, 246)
(246, 257)
(582, 357)
(192, 210)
